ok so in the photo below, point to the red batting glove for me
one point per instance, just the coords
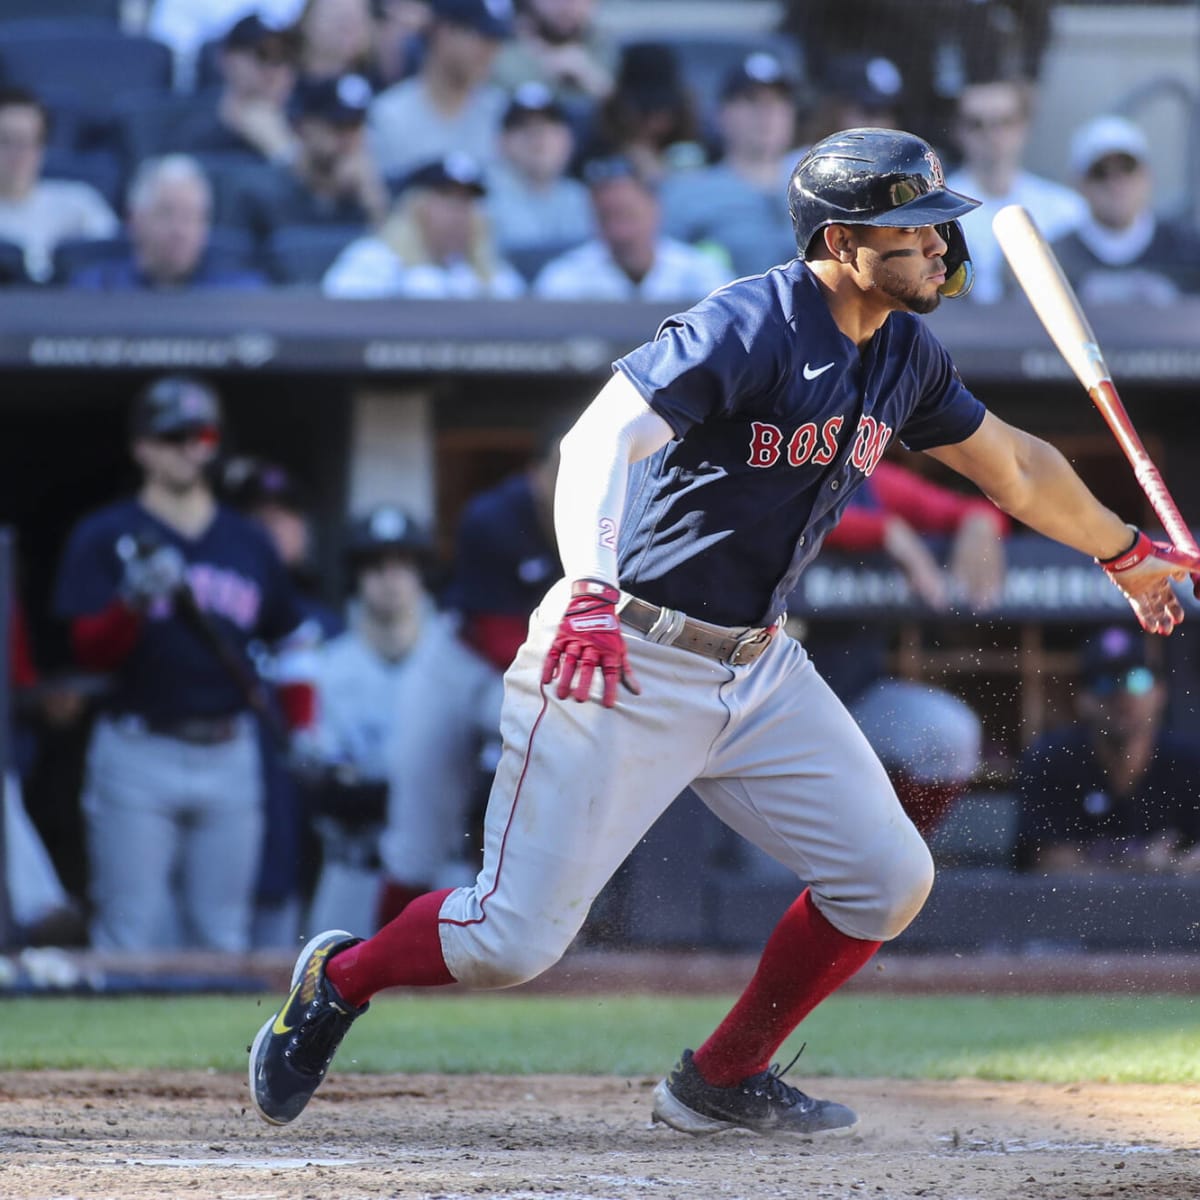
(1144, 573)
(589, 636)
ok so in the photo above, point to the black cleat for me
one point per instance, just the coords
(762, 1103)
(293, 1050)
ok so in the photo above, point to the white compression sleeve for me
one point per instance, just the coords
(616, 429)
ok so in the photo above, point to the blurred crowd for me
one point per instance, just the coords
(473, 148)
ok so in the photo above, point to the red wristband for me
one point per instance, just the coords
(1140, 549)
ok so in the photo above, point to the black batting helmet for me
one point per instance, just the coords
(172, 403)
(879, 177)
(386, 529)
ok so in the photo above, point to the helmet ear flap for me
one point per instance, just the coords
(960, 272)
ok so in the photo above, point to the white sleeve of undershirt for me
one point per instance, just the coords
(616, 429)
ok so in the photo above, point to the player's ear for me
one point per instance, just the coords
(839, 241)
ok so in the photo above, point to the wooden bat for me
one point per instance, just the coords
(1054, 300)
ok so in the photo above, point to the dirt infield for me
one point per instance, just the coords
(137, 1135)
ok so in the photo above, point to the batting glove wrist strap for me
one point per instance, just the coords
(597, 589)
(589, 636)
(1138, 551)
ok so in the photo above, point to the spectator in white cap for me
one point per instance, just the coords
(1123, 253)
(991, 126)
(449, 104)
(531, 200)
(630, 259)
(739, 204)
(434, 244)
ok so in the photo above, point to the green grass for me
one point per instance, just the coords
(1148, 1039)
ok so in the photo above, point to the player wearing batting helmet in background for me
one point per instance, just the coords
(402, 708)
(691, 495)
(173, 785)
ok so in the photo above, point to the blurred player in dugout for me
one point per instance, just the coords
(165, 591)
(402, 707)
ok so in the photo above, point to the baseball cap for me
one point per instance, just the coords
(340, 101)
(532, 99)
(386, 529)
(248, 483)
(1105, 135)
(251, 32)
(456, 170)
(757, 70)
(870, 81)
(1115, 659)
(173, 403)
(491, 18)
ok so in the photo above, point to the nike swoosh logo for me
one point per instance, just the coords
(279, 1027)
(812, 373)
(308, 978)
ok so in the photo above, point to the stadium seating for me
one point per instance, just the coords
(529, 260)
(12, 265)
(228, 248)
(108, 11)
(145, 124)
(91, 60)
(301, 254)
(104, 171)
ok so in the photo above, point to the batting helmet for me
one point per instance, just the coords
(383, 530)
(880, 177)
(172, 403)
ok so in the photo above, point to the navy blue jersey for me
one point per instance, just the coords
(505, 560)
(237, 578)
(778, 417)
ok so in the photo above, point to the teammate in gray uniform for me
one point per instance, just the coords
(691, 494)
(402, 706)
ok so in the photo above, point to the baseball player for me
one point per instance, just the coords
(691, 494)
(402, 706)
(505, 557)
(173, 784)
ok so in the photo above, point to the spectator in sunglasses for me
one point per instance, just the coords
(1123, 252)
(248, 113)
(1114, 789)
(991, 127)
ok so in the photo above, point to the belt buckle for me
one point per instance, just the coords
(748, 641)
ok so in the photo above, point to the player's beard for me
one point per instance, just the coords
(912, 295)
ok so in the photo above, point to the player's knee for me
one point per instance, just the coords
(505, 962)
(891, 883)
(905, 885)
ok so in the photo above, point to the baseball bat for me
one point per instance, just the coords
(1054, 300)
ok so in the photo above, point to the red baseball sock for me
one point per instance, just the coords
(407, 952)
(805, 960)
(394, 898)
